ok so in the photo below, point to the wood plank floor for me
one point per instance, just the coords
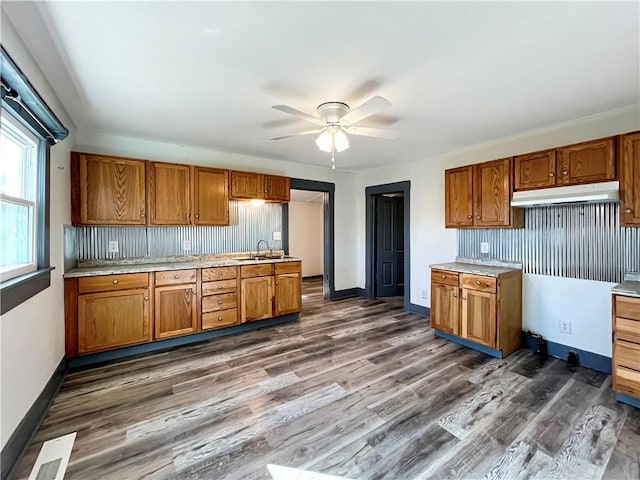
(356, 388)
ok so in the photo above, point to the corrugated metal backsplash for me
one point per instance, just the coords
(248, 224)
(578, 241)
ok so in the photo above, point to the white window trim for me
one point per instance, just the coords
(10, 122)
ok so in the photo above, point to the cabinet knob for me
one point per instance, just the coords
(444, 276)
(478, 217)
(219, 318)
(175, 276)
(265, 191)
(455, 295)
(464, 298)
(146, 298)
(477, 282)
(469, 217)
(197, 216)
(115, 282)
(142, 215)
(628, 210)
(220, 287)
(277, 283)
(552, 174)
(219, 302)
(187, 215)
(565, 172)
(193, 291)
(219, 273)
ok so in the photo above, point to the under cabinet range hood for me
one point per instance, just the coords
(590, 193)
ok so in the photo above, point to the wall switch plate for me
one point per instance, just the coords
(186, 245)
(424, 293)
(113, 246)
(277, 235)
(484, 247)
(565, 327)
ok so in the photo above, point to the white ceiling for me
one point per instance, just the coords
(305, 196)
(206, 73)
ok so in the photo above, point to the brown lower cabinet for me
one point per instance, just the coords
(483, 309)
(113, 311)
(626, 345)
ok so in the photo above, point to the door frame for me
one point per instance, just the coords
(370, 193)
(329, 189)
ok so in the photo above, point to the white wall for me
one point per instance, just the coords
(546, 299)
(32, 334)
(346, 267)
(306, 230)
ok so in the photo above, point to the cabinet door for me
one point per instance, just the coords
(479, 317)
(630, 180)
(211, 196)
(169, 194)
(113, 319)
(288, 293)
(256, 298)
(276, 188)
(246, 185)
(535, 170)
(112, 191)
(175, 310)
(458, 197)
(492, 191)
(445, 308)
(587, 162)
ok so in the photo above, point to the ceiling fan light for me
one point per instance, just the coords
(324, 141)
(341, 141)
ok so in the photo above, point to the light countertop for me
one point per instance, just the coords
(630, 287)
(489, 268)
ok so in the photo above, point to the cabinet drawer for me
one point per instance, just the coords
(478, 282)
(223, 286)
(626, 381)
(628, 330)
(219, 273)
(288, 267)
(442, 276)
(104, 283)
(175, 277)
(627, 354)
(219, 319)
(260, 270)
(628, 307)
(224, 301)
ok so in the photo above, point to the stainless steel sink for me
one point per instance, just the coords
(261, 257)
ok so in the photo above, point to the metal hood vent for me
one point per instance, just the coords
(591, 193)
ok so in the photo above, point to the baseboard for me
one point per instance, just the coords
(586, 359)
(104, 358)
(634, 402)
(15, 447)
(468, 343)
(347, 293)
(419, 310)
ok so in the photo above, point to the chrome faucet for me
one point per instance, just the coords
(258, 248)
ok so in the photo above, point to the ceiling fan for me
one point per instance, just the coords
(335, 120)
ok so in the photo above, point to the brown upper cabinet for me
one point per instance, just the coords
(173, 209)
(587, 162)
(107, 190)
(479, 195)
(248, 185)
(210, 196)
(630, 179)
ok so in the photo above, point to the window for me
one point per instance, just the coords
(18, 197)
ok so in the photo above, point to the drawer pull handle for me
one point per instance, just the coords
(175, 276)
(220, 288)
(477, 282)
(444, 276)
(115, 282)
(219, 318)
(219, 302)
(219, 273)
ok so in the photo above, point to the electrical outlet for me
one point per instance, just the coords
(186, 245)
(113, 246)
(424, 293)
(484, 247)
(277, 235)
(565, 327)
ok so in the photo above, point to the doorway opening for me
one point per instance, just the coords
(308, 225)
(388, 241)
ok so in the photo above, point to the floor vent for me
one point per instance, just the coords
(53, 458)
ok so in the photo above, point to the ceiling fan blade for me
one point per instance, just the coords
(298, 113)
(368, 108)
(373, 132)
(307, 132)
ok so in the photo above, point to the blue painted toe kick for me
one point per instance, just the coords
(634, 402)
(467, 343)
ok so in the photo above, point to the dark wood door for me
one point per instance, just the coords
(389, 246)
(276, 188)
(630, 180)
(169, 194)
(587, 162)
(535, 170)
(492, 193)
(211, 196)
(458, 203)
